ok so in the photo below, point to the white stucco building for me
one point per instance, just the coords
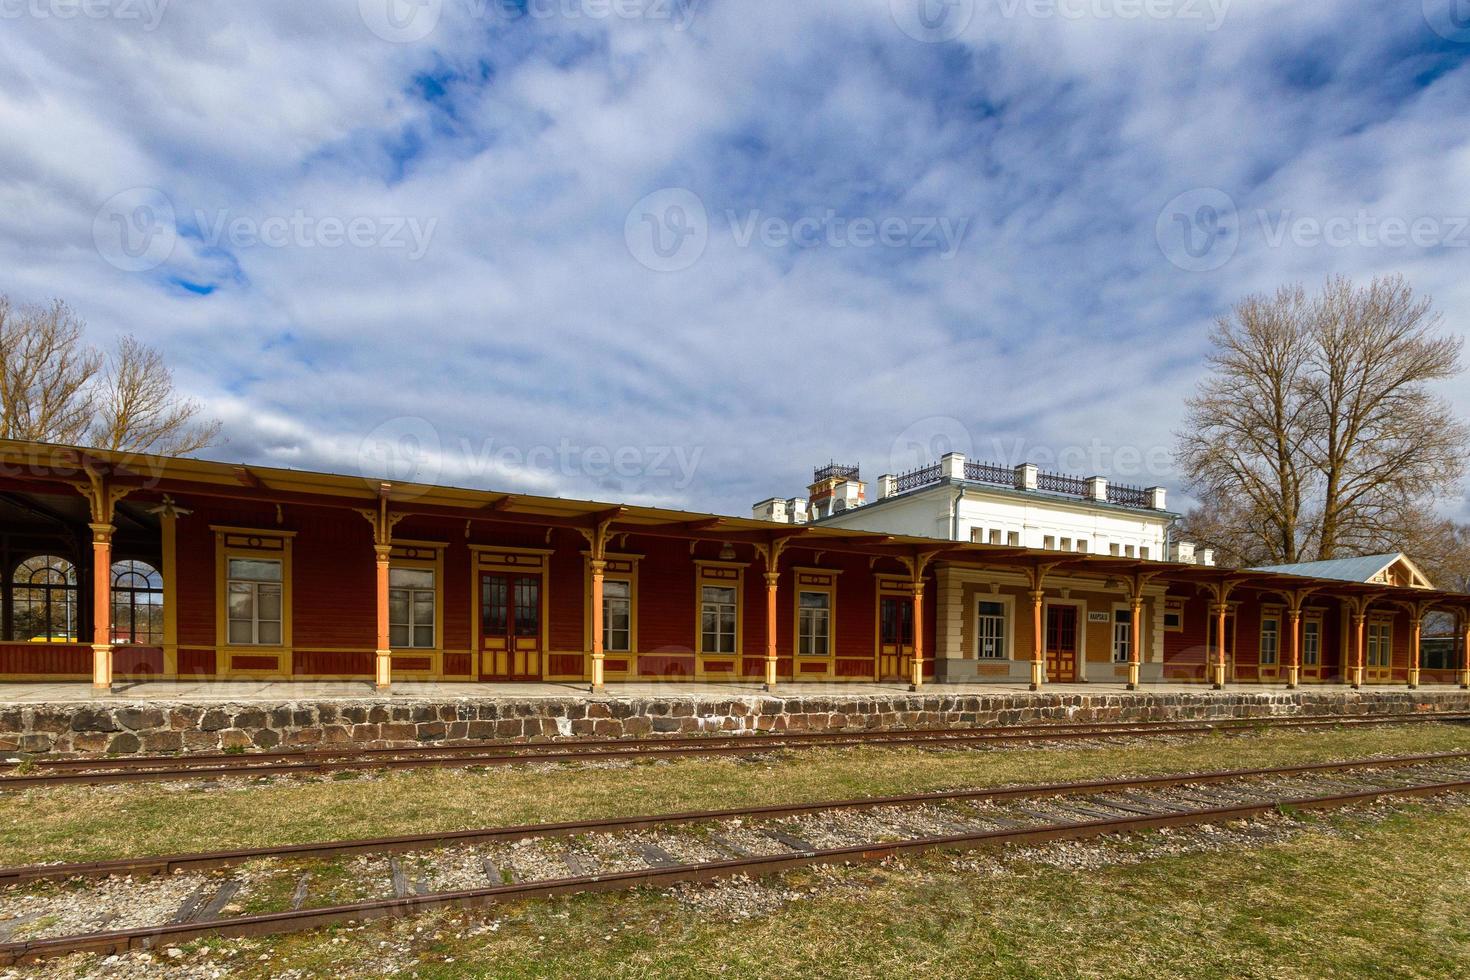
(964, 500)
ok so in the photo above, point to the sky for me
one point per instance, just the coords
(679, 252)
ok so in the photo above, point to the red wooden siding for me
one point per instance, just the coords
(46, 659)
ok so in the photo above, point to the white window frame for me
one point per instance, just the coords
(1122, 622)
(719, 607)
(1274, 633)
(413, 593)
(808, 618)
(252, 587)
(1004, 634)
(608, 644)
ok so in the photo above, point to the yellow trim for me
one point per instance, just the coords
(398, 559)
(818, 580)
(723, 574)
(508, 561)
(1272, 671)
(168, 535)
(891, 587)
(228, 545)
(622, 567)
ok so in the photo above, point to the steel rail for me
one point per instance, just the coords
(169, 864)
(321, 762)
(121, 941)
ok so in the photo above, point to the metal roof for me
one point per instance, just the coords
(1362, 568)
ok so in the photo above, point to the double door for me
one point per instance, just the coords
(511, 644)
(895, 637)
(1061, 643)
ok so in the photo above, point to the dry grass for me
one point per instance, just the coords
(81, 823)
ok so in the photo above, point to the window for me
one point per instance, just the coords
(1013, 538)
(617, 615)
(1128, 551)
(1143, 552)
(1311, 643)
(1082, 545)
(411, 608)
(1049, 543)
(43, 604)
(990, 630)
(977, 535)
(717, 619)
(137, 603)
(995, 536)
(1380, 644)
(1270, 639)
(1066, 544)
(895, 621)
(1113, 550)
(814, 627)
(254, 595)
(1122, 635)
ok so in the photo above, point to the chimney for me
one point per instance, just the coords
(796, 510)
(1026, 476)
(1097, 488)
(773, 509)
(1156, 496)
(1183, 552)
(1206, 556)
(952, 465)
(887, 486)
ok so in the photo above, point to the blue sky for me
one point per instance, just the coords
(680, 251)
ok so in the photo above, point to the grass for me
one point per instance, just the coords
(91, 823)
(1343, 896)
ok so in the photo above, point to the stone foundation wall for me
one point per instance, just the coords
(124, 728)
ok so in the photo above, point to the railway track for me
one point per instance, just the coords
(145, 902)
(91, 771)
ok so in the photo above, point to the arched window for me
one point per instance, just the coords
(43, 600)
(137, 603)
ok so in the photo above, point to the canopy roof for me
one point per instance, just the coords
(25, 465)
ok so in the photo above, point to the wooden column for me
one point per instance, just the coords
(1416, 635)
(1360, 619)
(1135, 640)
(168, 524)
(1465, 650)
(1221, 611)
(773, 579)
(1294, 667)
(598, 568)
(101, 606)
(383, 651)
(1038, 640)
(916, 679)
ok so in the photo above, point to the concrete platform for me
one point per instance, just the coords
(277, 692)
(183, 717)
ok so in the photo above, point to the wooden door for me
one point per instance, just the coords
(1061, 643)
(510, 627)
(1378, 653)
(895, 637)
(1311, 648)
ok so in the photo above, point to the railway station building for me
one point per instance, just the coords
(118, 567)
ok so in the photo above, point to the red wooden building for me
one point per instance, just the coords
(133, 566)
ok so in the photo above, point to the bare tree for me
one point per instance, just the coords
(1319, 432)
(1247, 427)
(137, 408)
(45, 374)
(56, 388)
